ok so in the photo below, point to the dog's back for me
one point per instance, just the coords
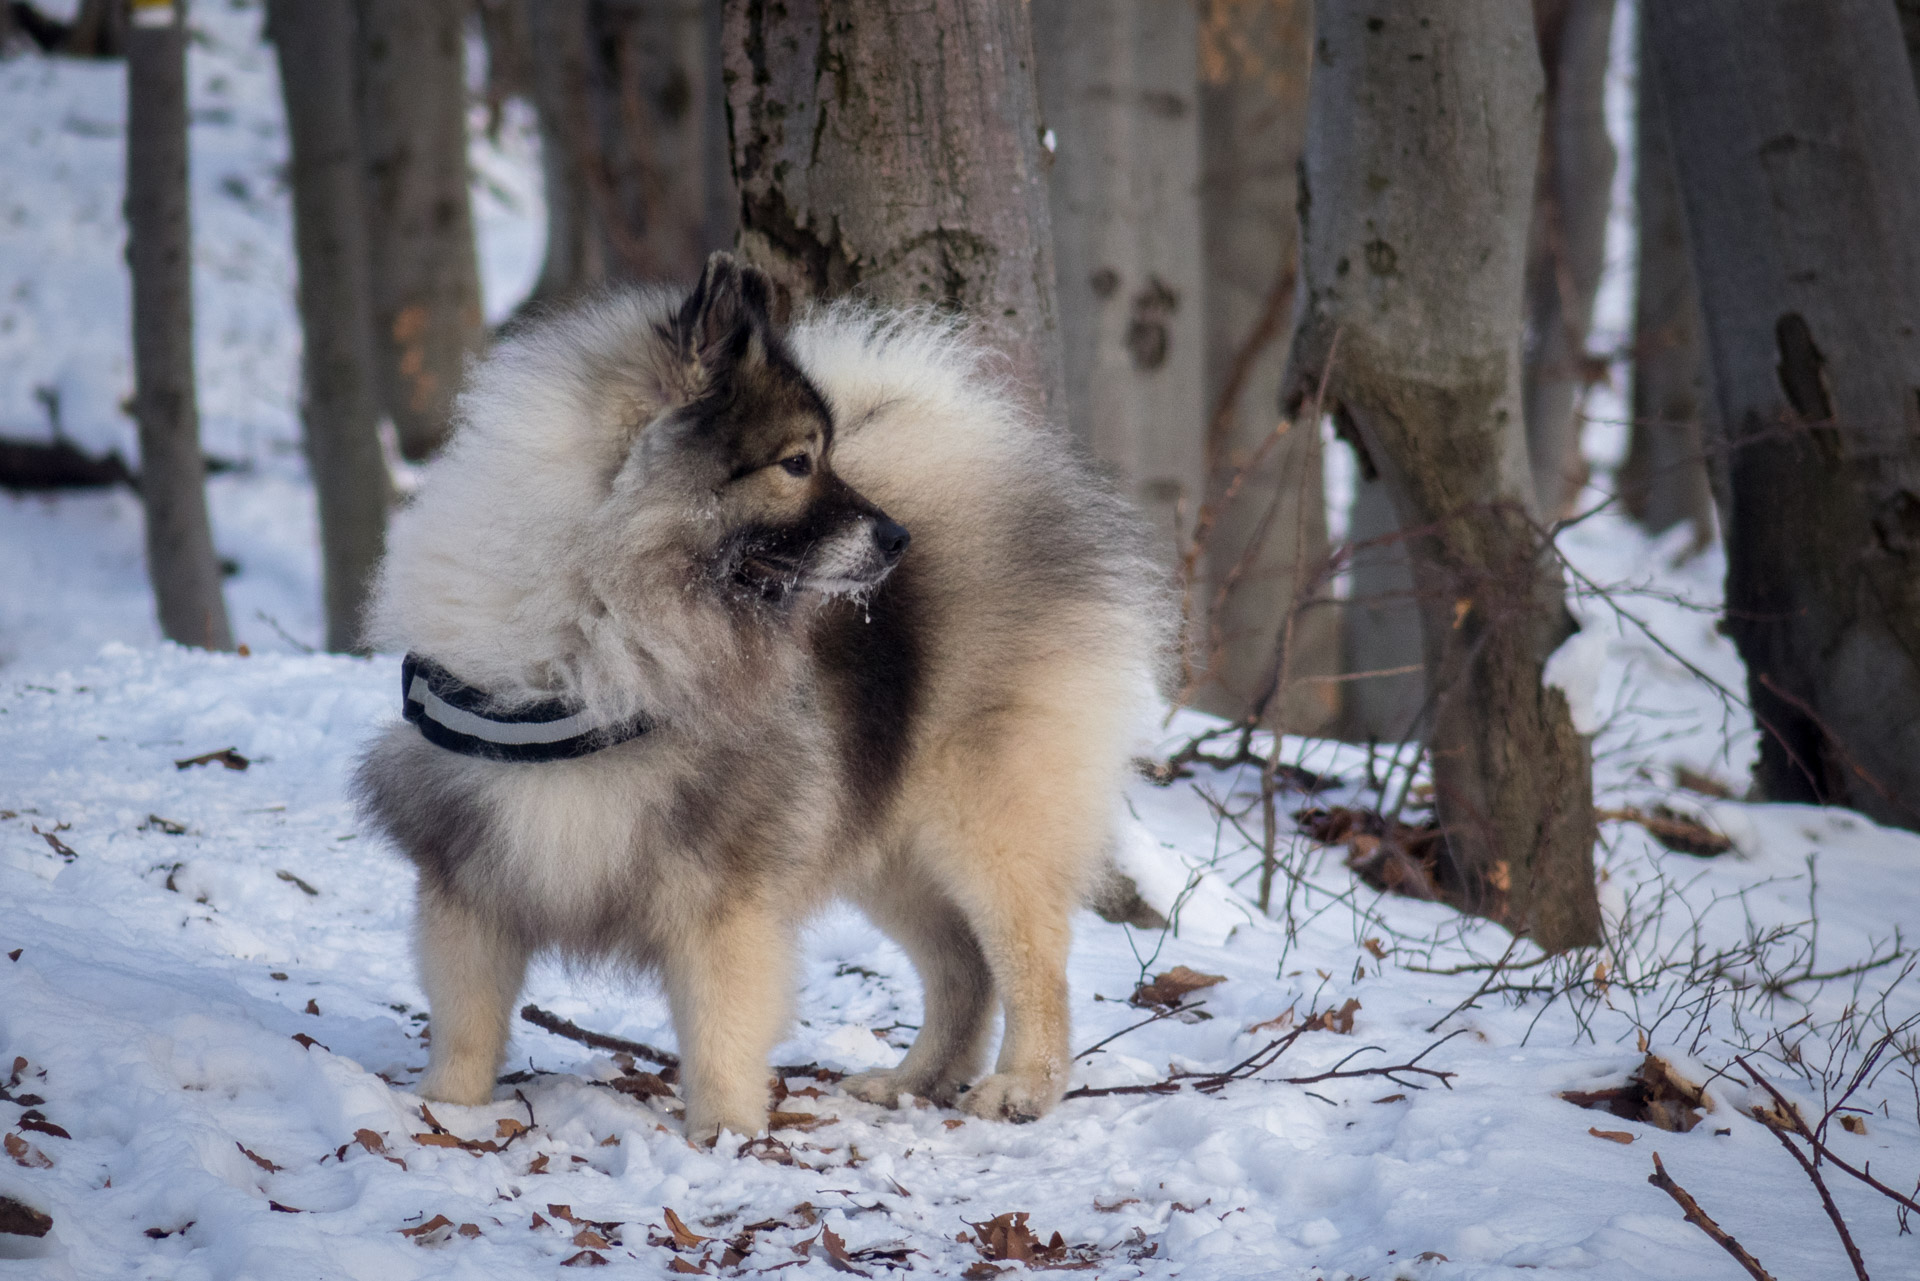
(945, 748)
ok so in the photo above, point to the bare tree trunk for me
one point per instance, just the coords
(426, 277)
(1567, 245)
(1270, 537)
(173, 486)
(576, 255)
(1422, 140)
(1117, 87)
(1664, 478)
(633, 121)
(1796, 128)
(894, 149)
(315, 39)
(1381, 638)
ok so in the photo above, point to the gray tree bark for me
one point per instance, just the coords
(633, 132)
(1381, 636)
(180, 556)
(1269, 541)
(1796, 128)
(1567, 245)
(426, 276)
(1663, 481)
(315, 40)
(1423, 135)
(892, 149)
(1117, 88)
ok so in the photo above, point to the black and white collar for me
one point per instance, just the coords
(454, 715)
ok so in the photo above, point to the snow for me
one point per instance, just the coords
(162, 977)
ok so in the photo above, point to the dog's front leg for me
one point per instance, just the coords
(472, 970)
(727, 979)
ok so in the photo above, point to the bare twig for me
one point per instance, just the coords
(1826, 1199)
(598, 1040)
(1792, 1117)
(1702, 1220)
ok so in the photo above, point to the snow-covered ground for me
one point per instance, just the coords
(205, 978)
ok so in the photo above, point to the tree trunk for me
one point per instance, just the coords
(1117, 88)
(1269, 541)
(1796, 128)
(633, 122)
(1567, 245)
(1664, 478)
(315, 39)
(1381, 639)
(893, 149)
(1422, 140)
(173, 486)
(426, 277)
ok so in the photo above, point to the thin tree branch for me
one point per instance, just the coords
(1702, 1220)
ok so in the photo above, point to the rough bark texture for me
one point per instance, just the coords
(180, 556)
(1117, 87)
(426, 277)
(1663, 481)
(1796, 125)
(892, 149)
(633, 132)
(1270, 539)
(1422, 140)
(1567, 245)
(315, 39)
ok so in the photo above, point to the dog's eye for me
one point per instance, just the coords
(798, 465)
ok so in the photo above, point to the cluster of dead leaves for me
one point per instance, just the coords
(506, 1130)
(31, 1120)
(1006, 1238)
(1655, 1094)
(734, 1250)
(1408, 859)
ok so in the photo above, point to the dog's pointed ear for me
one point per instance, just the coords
(724, 326)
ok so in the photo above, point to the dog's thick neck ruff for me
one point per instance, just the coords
(453, 714)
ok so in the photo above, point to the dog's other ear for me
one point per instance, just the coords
(723, 327)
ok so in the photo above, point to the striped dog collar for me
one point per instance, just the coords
(454, 715)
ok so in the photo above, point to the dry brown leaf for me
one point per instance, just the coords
(836, 1251)
(1675, 831)
(684, 1237)
(1704, 784)
(538, 1165)
(371, 1141)
(588, 1239)
(313, 1006)
(438, 1140)
(952, 1124)
(421, 1231)
(1114, 1207)
(1611, 1136)
(798, 1120)
(308, 1041)
(1654, 1095)
(692, 1269)
(259, 1160)
(588, 1259)
(25, 1154)
(20, 1219)
(1171, 988)
(1853, 1124)
(1277, 1023)
(1500, 876)
(1433, 1256)
(1340, 1020)
(1392, 1098)
(36, 1120)
(468, 1230)
(1376, 947)
(508, 1127)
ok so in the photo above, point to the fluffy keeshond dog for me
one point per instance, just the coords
(709, 623)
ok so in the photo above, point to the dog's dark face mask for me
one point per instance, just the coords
(758, 436)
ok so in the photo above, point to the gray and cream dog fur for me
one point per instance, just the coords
(660, 505)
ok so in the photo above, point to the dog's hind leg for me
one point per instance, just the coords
(472, 970)
(951, 1047)
(727, 979)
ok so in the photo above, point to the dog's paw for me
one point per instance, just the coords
(462, 1083)
(1012, 1096)
(886, 1086)
(883, 1086)
(703, 1128)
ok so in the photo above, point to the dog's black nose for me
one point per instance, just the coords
(891, 537)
